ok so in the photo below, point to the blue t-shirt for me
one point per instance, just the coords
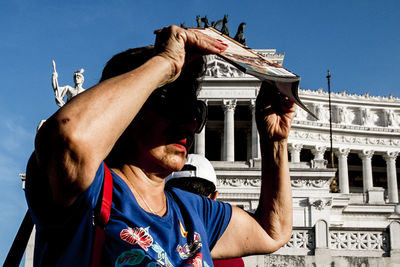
(184, 236)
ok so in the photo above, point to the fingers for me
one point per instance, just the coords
(204, 42)
(271, 102)
(179, 45)
(194, 42)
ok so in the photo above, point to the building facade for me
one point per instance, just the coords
(345, 200)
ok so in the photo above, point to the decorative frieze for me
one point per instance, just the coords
(340, 138)
(310, 183)
(238, 182)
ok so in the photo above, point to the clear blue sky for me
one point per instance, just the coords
(357, 40)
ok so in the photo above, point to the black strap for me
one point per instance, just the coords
(17, 249)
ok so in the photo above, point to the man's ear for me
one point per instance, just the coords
(214, 195)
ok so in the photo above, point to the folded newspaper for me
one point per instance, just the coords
(254, 64)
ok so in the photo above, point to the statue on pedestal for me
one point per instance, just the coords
(61, 91)
(240, 34)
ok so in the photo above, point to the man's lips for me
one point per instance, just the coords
(182, 144)
(182, 141)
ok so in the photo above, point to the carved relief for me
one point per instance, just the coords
(342, 115)
(300, 113)
(320, 204)
(390, 117)
(303, 239)
(309, 183)
(322, 112)
(218, 68)
(359, 240)
(239, 182)
(344, 139)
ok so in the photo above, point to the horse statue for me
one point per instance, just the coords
(224, 22)
(198, 21)
(240, 34)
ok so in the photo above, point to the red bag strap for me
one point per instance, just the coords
(104, 216)
(105, 210)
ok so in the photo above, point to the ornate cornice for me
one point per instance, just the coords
(316, 138)
(345, 96)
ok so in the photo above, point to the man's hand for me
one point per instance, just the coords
(274, 113)
(179, 45)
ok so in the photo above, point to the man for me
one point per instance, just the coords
(141, 120)
(198, 176)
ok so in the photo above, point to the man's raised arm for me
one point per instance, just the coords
(271, 226)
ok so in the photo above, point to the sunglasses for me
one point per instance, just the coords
(180, 109)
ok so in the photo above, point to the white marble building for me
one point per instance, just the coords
(353, 223)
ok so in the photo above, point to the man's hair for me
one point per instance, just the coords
(183, 91)
(135, 57)
(196, 185)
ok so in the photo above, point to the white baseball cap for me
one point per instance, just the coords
(196, 166)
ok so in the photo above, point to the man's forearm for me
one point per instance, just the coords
(275, 207)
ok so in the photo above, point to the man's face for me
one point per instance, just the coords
(165, 137)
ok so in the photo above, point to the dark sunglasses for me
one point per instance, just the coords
(181, 110)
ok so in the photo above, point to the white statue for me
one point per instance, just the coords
(322, 112)
(342, 113)
(390, 117)
(61, 91)
(300, 114)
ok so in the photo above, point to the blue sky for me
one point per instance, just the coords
(357, 40)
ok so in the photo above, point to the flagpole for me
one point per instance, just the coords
(330, 117)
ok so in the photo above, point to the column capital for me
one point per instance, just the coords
(342, 151)
(295, 147)
(229, 104)
(252, 104)
(318, 161)
(390, 155)
(366, 154)
(317, 150)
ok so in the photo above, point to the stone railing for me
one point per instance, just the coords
(343, 242)
(356, 240)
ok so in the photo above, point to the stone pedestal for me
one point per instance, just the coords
(375, 195)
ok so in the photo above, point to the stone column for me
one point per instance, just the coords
(255, 139)
(390, 158)
(342, 154)
(294, 150)
(319, 162)
(200, 141)
(366, 156)
(229, 130)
